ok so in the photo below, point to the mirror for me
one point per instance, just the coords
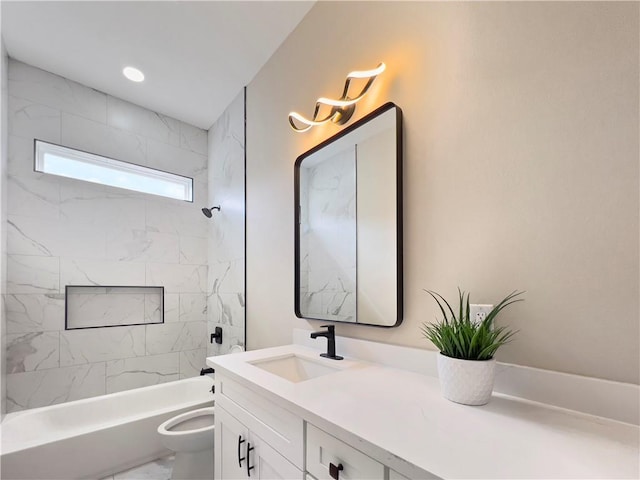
(348, 224)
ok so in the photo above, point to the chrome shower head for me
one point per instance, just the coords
(208, 212)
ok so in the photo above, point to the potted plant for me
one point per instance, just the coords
(466, 366)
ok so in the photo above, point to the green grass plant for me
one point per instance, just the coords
(457, 336)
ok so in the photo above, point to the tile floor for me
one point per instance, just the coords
(159, 469)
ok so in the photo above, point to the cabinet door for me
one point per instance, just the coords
(230, 449)
(268, 464)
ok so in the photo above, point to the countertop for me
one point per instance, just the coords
(400, 418)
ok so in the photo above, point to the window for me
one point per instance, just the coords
(70, 163)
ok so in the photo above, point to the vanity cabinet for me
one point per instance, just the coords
(255, 438)
(241, 454)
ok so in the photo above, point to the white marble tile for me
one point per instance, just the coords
(226, 308)
(226, 277)
(33, 197)
(193, 250)
(101, 344)
(191, 362)
(177, 278)
(159, 469)
(112, 273)
(142, 246)
(27, 352)
(130, 117)
(46, 88)
(20, 161)
(101, 139)
(193, 307)
(104, 306)
(178, 218)
(139, 372)
(332, 279)
(176, 337)
(176, 160)
(32, 351)
(153, 308)
(29, 274)
(311, 304)
(57, 385)
(31, 120)
(201, 195)
(227, 230)
(53, 237)
(193, 138)
(107, 207)
(171, 307)
(28, 236)
(339, 306)
(34, 312)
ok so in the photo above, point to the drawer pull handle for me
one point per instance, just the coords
(240, 442)
(249, 448)
(335, 471)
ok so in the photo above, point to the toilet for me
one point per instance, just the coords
(191, 436)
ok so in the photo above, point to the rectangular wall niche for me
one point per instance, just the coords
(102, 306)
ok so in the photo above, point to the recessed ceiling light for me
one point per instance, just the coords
(133, 74)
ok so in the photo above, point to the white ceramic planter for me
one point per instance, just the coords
(469, 382)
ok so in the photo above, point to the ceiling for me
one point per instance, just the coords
(196, 56)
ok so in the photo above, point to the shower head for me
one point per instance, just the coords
(208, 211)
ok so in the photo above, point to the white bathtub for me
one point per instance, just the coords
(98, 436)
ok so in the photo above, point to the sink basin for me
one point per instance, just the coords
(294, 367)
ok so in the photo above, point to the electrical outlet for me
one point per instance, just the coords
(479, 312)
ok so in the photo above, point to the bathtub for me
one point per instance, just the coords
(95, 437)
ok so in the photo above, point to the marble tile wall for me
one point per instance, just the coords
(66, 232)
(225, 284)
(328, 239)
(4, 129)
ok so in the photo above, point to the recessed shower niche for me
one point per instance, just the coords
(105, 306)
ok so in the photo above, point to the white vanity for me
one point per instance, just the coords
(285, 412)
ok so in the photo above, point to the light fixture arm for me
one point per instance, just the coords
(342, 108)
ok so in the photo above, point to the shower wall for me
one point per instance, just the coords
(66, 232)
(4, 80)
(225, 287)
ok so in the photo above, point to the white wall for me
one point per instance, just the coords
(521, 167)
(63, 232)
(225, 290)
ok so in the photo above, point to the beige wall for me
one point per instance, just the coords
(521, 168)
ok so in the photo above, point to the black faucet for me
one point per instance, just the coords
(330, 333)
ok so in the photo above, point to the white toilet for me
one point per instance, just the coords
(191, 436)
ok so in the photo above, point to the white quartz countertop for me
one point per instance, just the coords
(402, 417)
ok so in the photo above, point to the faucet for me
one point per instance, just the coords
(330, 334)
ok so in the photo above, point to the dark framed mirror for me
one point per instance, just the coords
(348, 224)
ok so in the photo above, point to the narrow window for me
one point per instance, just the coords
(67, 162)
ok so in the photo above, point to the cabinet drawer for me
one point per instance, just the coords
(278, 427)
(323, 450)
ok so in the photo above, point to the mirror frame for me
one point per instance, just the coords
(399, 224)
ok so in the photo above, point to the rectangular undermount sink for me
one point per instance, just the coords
(294, 367)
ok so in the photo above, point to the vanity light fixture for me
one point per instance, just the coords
(341, 109)
(133, 74)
